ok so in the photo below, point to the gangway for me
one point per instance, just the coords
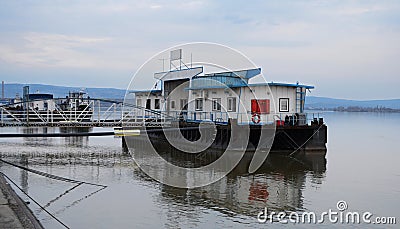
(97, 113)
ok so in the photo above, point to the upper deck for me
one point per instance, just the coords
(195, 96)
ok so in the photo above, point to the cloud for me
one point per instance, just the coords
(291, 40)
(354, 11)
(53, 50)
(38, 40)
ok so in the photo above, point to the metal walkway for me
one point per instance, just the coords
(98, 113)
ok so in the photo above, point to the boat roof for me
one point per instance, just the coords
(40, 96)
(253, 85)
(156, 91)
(232, 79)
(246, 74)
(283, 85)
(152, 91)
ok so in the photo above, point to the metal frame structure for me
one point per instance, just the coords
(98, 113)
(110, 113)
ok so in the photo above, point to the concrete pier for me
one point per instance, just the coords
(14, 213)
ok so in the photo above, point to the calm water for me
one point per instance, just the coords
(361, 167)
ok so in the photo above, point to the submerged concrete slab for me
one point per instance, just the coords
(8, 219)
(3, 199)
(13, 211)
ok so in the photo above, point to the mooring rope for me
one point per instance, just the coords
(51, 176)
(48, 175)
(37, 203)
(63, 194)
(305, 141)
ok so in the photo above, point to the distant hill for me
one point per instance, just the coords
(61, 91)
(313, 102)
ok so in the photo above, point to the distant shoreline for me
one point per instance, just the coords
(357, 109)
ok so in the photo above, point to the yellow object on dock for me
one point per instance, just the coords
(120, 132)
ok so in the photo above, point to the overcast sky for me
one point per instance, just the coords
(346, 49)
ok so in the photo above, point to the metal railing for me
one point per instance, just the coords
(246, 118)
(100, 112)
(94, 112)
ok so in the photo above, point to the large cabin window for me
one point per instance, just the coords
(156, 103)
(199, 104)
(260, 106)
(284, 105)
(148, 104)
(216, 104)
(172, 104)
(232, 104)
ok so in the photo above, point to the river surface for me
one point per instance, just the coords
(360, 167)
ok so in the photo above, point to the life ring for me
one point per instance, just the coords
(255, 118)
(296, 119)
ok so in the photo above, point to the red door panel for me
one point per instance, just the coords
(260, 106)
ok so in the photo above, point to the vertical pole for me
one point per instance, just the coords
(99, 110)
(75, 110)
(2, 89)
(124, 145)
(27, 112)
(91, 110)
(114, 105)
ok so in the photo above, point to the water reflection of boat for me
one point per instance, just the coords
(71, 141)
(277, 185)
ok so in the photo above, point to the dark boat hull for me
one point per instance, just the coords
(285, 139)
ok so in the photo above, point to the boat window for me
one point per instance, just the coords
(183, 104)
(199, 104)
(232, 104)
(139, 102)
(156, 103)
(284, 105)
(148, 104)
(172, 104)
(216, 104)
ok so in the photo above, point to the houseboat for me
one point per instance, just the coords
(225, 110)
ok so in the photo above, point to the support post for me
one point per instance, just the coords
(99, 110)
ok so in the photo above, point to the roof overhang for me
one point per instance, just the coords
(178, 74)
(245, 74)
(156, 91)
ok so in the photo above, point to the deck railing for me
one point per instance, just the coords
(104, 112)
(246, 118)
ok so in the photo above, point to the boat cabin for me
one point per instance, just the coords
(216, 97)
(40, 101)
